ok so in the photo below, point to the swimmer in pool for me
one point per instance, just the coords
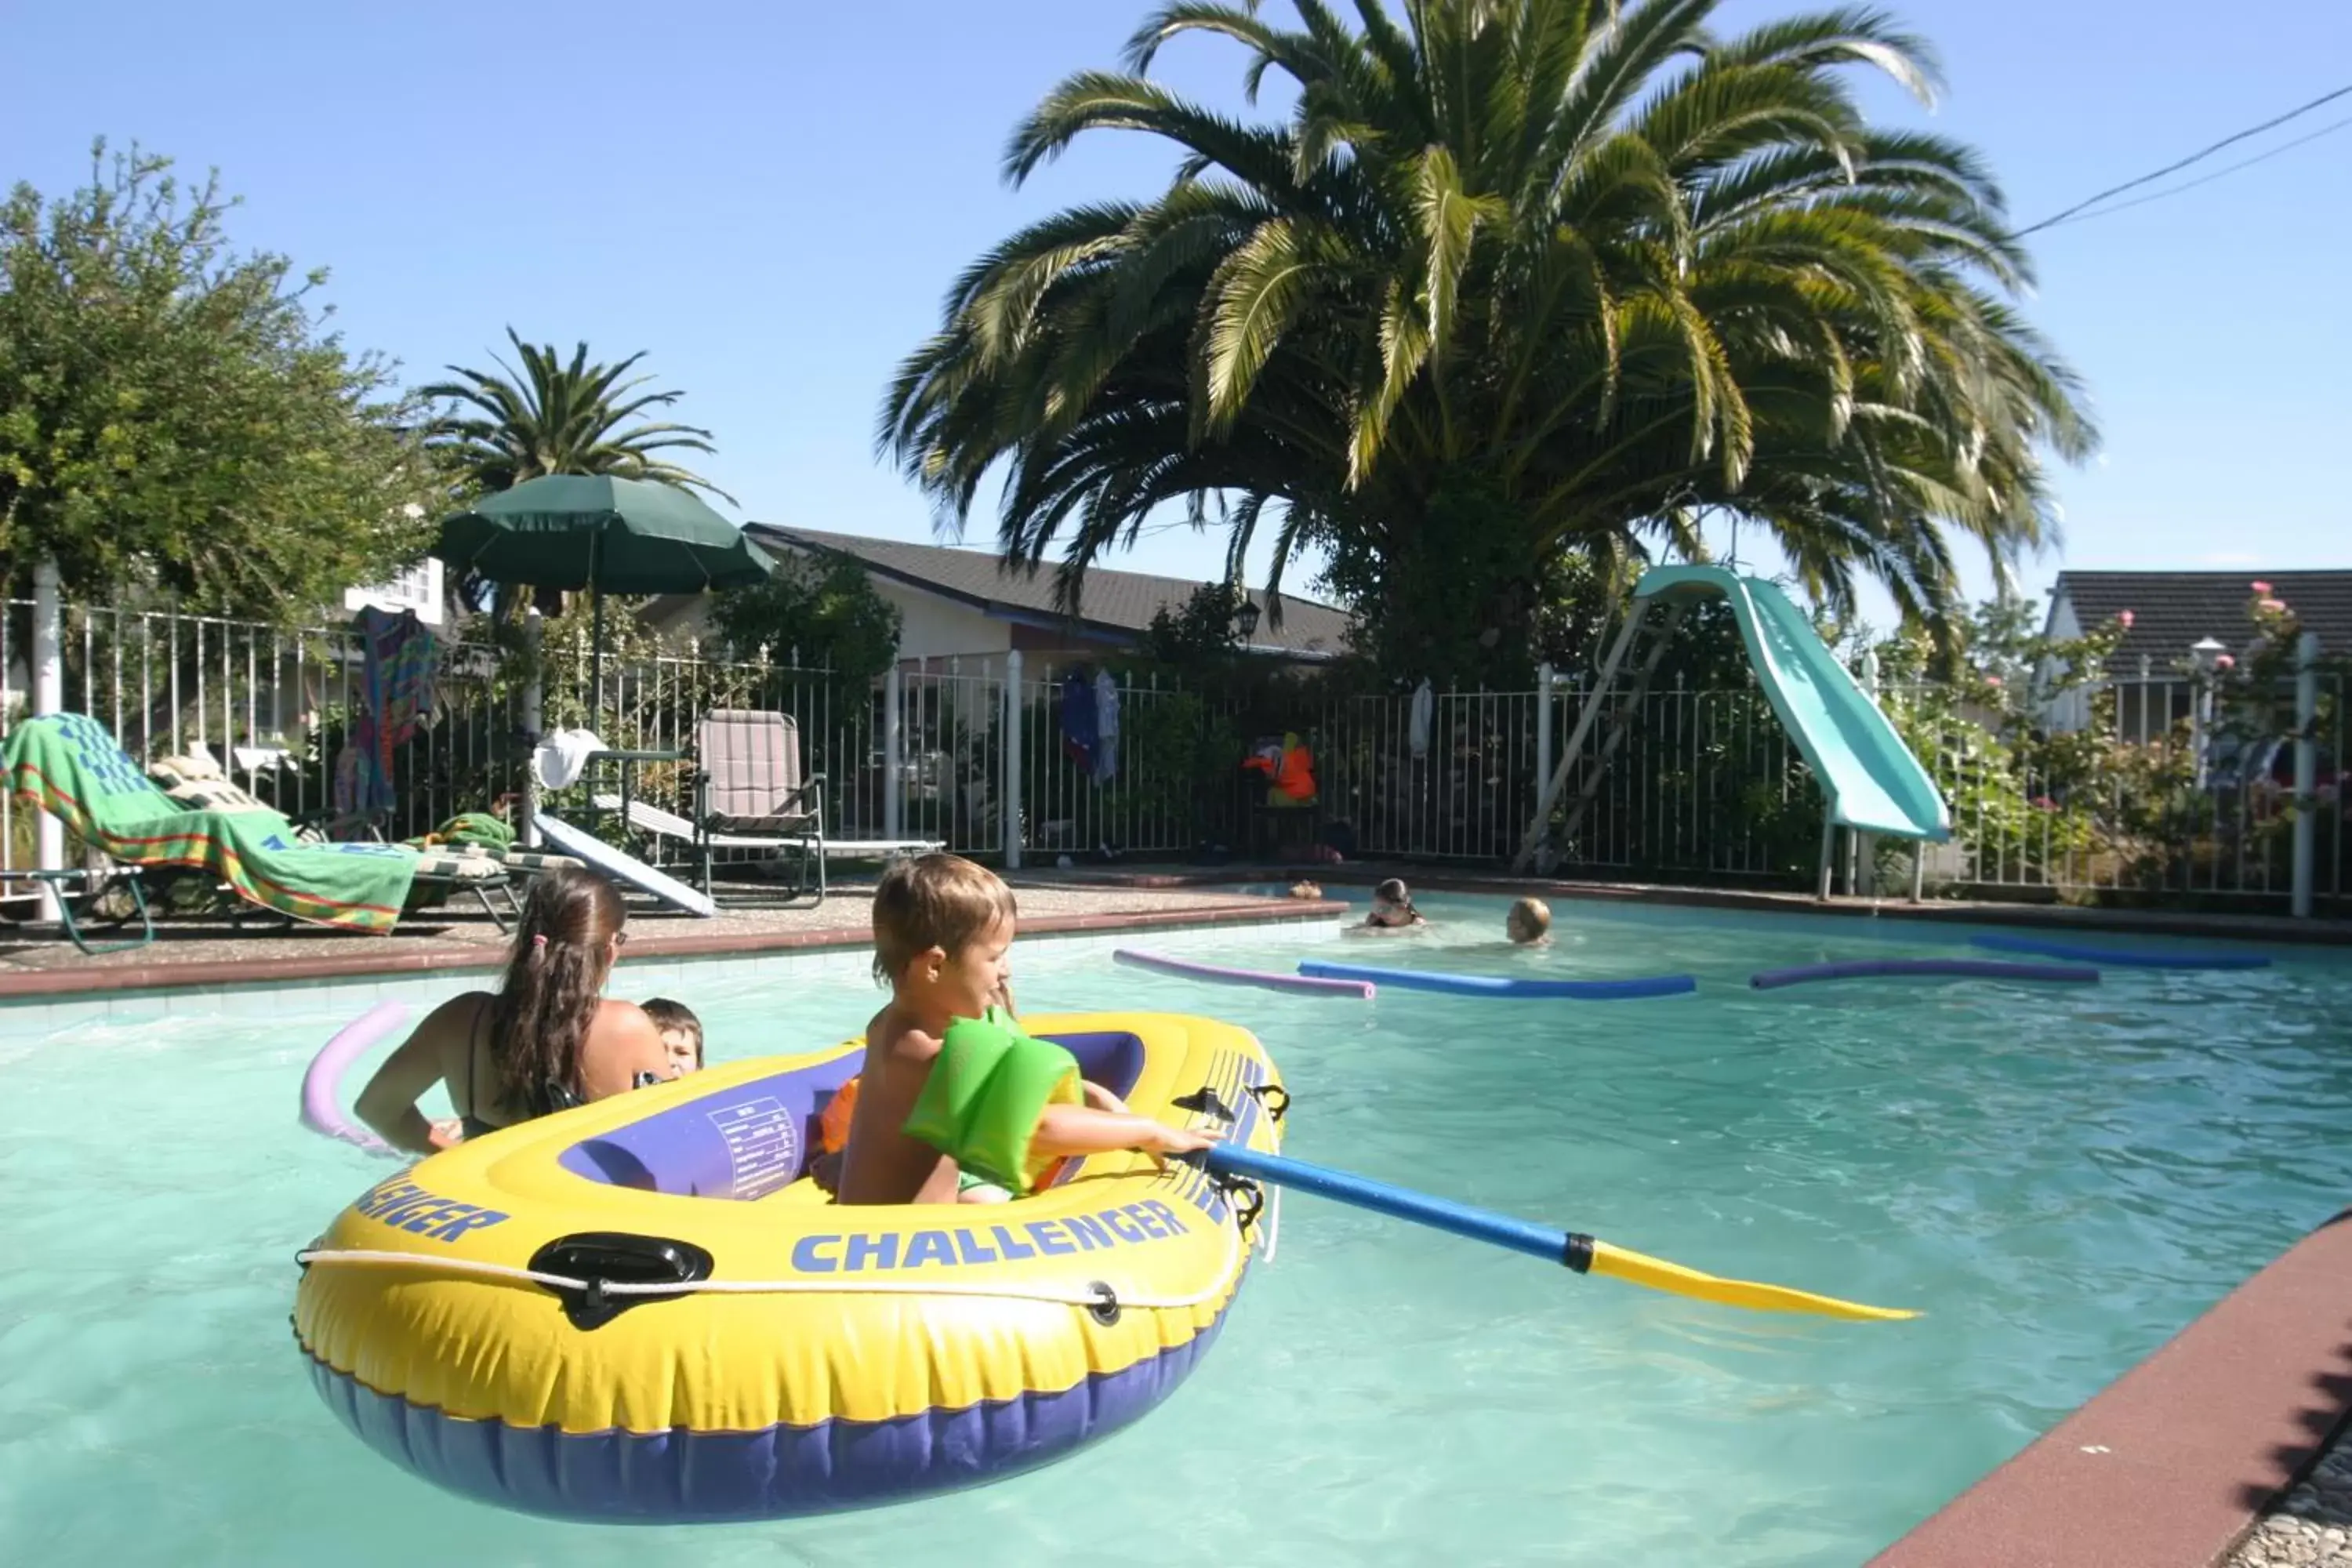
(1529, 924)
(1392, 909)
(545, 1040)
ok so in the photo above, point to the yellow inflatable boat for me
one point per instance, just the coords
(643, 1310)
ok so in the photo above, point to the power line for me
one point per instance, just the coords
(2199, 156)
(2208, 179)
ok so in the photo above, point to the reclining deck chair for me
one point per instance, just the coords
(70, 766)
(748, 786)
(198, 782)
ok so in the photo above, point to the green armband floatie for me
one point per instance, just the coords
(986, 1091)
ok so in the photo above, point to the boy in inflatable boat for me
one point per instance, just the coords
(954, 1102)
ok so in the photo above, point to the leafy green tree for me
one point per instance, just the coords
(175, 417)
(819, 612)
(1519, 281)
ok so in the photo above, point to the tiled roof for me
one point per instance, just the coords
(2172, 610)
(1119, 603)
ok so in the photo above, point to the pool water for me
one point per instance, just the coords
(2061, 1176)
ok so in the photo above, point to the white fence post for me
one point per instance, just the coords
(1862, 874)
(534, 717)
(2306, 766)
(49, 697)
(893, 696)
(1013, 760)
(1543, 727)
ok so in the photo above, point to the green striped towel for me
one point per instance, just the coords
(68, 765)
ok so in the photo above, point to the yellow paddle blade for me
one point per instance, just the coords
(1660, 1275)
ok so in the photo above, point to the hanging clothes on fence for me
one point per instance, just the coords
(1079, 729)
(1106, 728)
(400, 668)
(1424, 702)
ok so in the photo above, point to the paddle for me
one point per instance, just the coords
(1581, 1253)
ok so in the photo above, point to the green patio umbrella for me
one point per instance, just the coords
(603, 534)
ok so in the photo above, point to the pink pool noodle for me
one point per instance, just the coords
(323, 1109)
(1360, 989)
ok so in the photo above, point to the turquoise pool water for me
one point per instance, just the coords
(2061, 1177)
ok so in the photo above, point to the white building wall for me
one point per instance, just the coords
(936, 627)
(419, 588)
(2069, 710)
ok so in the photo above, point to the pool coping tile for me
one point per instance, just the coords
(67, 987)
(2174, 1462)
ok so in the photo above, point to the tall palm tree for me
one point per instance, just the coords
(559, 418)
(1516, 282)
(499, 430)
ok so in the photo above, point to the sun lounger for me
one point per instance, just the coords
(69, 766)
(646, 817)
(198, 783)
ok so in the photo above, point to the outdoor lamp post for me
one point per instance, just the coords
(1245, 620)
(2205, 654)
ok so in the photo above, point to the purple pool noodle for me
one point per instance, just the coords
(1957, 968)
(1362, 989)
(322, 1109)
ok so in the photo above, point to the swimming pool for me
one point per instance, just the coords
(2061, 1178)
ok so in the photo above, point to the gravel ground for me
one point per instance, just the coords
(2313, 1527)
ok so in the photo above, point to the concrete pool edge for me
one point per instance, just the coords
(2172, 1463)
(68, 982)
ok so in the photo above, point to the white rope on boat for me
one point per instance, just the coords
(1058, 1295)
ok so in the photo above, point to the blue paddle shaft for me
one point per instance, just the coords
(1535, 1240)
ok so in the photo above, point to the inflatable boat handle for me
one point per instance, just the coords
(1584, 1254)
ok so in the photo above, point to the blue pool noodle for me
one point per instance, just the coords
(1499, 985)
(2123, 958)
(1958, 968)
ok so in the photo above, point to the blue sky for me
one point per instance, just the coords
(770, 198)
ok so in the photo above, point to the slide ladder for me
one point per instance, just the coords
(1870, 781)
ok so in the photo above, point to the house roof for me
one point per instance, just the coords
(2172, 610)
(1115, 604)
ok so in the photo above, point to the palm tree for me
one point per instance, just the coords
(555, 418)
(1517, 284)
(558, 418)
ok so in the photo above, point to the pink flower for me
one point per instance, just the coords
(1993, 681)
(2124, 619)
(2224, 661)
(2043, 803)
(2276, 607)
(2259, 587)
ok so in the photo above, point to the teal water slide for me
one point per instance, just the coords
(1869, 777)
(1870, 781)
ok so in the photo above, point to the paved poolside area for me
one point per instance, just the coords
(212, 950)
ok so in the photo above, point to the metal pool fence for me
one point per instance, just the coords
(2145, 794)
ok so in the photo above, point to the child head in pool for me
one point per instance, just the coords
(1393, 907)
(681, 1034)
(1528, 922)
